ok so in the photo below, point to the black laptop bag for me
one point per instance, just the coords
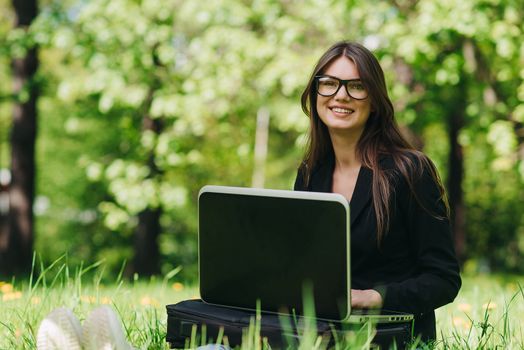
(194, 318)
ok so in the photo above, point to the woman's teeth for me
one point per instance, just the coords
(342, 110)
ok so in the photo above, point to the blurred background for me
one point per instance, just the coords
(114, 113)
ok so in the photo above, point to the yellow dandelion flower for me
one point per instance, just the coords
(464, 307)
(6, 288)
(105, 300)
(489, 306)
(12, 296)
(89, 299)
(35, 300)
(177, 286)
(459, 322)
(148, 301)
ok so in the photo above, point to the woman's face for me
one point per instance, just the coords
(341, 112)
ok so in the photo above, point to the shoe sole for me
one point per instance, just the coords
(102, 330)
(59, 330)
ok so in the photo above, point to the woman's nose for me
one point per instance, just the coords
(342, 94)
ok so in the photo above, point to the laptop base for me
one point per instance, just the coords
(194, 318)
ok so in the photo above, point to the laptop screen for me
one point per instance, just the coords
(270, 244)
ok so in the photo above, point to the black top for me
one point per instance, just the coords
(415, 268)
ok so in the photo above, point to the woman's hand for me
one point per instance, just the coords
(365, 299)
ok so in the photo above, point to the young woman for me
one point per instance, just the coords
(402, 255)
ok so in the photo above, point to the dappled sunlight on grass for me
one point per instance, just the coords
(140, 303)
(486, 314)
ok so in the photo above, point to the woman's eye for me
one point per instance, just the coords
(356, 86)
(329, 83)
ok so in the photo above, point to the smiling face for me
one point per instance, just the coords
(341, 112)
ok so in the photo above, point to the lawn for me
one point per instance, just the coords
(487, 314)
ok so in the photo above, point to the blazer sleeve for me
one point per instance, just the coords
(437, 280)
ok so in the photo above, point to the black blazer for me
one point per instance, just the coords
(415, 268)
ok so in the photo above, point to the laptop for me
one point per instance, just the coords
(276, 247)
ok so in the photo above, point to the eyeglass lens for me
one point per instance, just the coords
(329, 86)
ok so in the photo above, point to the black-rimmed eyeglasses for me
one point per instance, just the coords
(328, 86)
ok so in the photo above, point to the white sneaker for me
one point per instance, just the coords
(60, 330)
(102, 330)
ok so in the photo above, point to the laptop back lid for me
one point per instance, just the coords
(270, 244)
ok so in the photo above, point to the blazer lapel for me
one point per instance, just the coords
(361, 194)
(322, 181)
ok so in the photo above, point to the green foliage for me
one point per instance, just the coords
(203, 69)
(456, 60)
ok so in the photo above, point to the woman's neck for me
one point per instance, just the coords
(345, 149)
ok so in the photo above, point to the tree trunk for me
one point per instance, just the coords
(261, 140)
(147, 253)
(16, 243)
(5, 179)
(456, 174)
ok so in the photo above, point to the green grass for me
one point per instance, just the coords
(487, 314)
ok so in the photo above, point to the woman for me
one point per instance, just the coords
(402, 256)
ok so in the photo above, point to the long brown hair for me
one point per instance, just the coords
(381, 134)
